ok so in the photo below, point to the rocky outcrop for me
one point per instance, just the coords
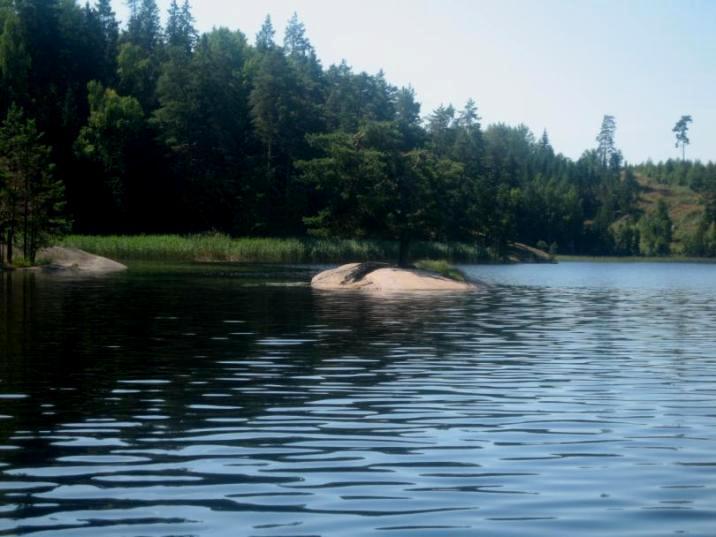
(522, 253)
(383, 277)
(59, 258)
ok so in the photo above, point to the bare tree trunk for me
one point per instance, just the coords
(10, 240)
(33, 248)
(25, 219)
(404, 250)
(269, 157)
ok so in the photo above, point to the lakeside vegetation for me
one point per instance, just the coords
(152, 129)
(442, 267)
(218, 247)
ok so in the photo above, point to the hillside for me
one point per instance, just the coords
(686, 207)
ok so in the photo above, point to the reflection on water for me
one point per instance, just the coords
(224, 401)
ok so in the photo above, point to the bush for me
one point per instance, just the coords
(441, 267)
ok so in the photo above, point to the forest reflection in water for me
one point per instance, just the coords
(234, 400)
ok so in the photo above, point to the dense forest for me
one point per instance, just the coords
(147, 129)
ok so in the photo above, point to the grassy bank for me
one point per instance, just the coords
(216, 247)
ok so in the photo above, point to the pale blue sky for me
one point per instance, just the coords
(554, 64)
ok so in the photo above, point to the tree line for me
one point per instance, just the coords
(151, 128)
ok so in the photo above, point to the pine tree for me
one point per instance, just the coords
(204, 121)
(295, 43)
(110, 33)
(469, 145)
(34, 199)
(442, 129)
(180, 32)
(144, 26)
(140, 54)
(15, 63)
(681, 130)
(544, 144)
(265, 37)
(407, 116)
(605, 139)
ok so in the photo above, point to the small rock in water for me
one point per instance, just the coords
(383, 277)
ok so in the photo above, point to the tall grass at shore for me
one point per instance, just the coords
(217, 247)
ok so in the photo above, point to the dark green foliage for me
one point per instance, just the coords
(627, 238)
(31, 199)
(655, 232)
(703, 241)
(372, 184)
(157, 129)
(15, 62)
(352, 98)
(181, 36)
(204, 124)
(109, 138)
(110, 34)
(144, 27)
(265, 37)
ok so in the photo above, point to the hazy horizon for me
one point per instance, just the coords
(555, 65)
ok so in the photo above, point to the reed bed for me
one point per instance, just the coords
(218, 247)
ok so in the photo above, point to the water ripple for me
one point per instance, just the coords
(546, 405)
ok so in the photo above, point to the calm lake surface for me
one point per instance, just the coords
(225, 400)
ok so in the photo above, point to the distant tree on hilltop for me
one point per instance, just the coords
(606, 145)
(681, 130)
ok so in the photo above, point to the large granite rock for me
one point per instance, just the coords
(59, 258)
(383, 277)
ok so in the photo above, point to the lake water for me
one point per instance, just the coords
(576, 399)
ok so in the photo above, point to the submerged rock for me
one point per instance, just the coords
(59, 258)
(522, 253)
(384, 277)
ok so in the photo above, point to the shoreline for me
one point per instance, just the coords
(215, 249)
(218, 248)
(222, 248)
(634, 259)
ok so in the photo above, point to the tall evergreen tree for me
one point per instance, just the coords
(681, 130)
(144, 26)
(265, 37)
(110, 34)
(15, 62)
(295, 43)
(34, 199)
(139, 59)
(441, 127)
(407, 116)
(469, 144)
(180, 32)
(606, 145)
(204, 121)
(274, 106)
